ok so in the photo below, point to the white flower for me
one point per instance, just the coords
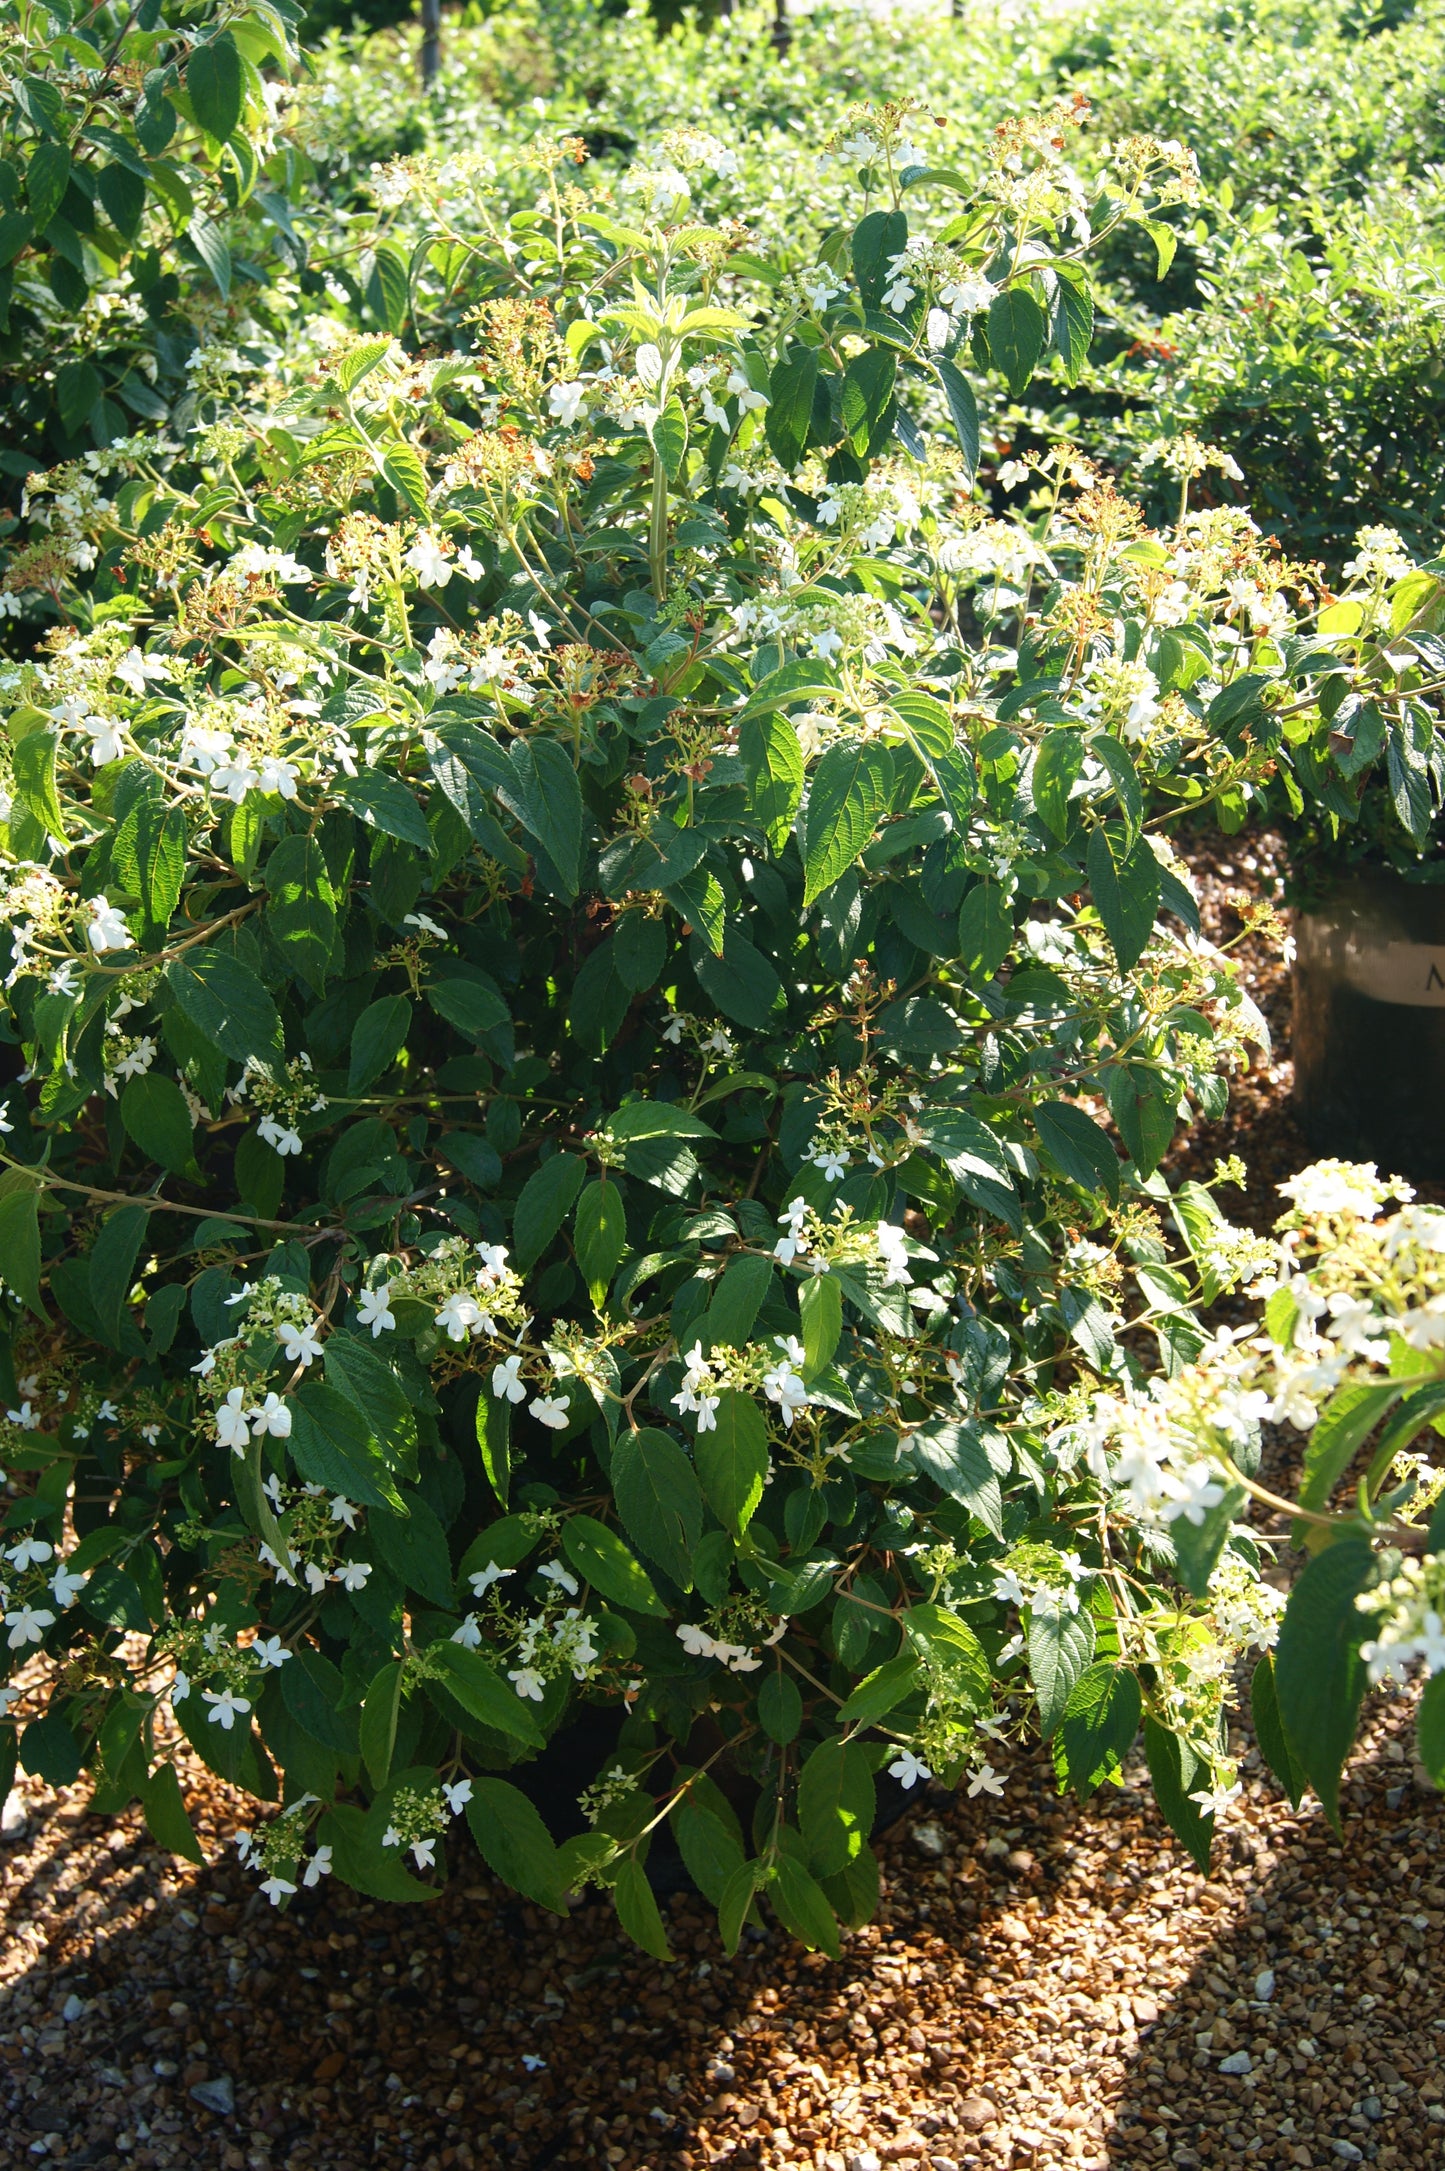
(66, 1586)
(553, 1572)
(232, 1427)
(483, 1579)
(27, 1417)
(892, 1253)
(832, 1163)
(373, 1309)
(549, 1410)
(1215, 1801)
(299, 1345)
(180, 1688)
(986, 1781)
(565, 401)
(352, 1574)
(278, 776)
(270, 1651)
(494, 1261)
(225, 1704)
(528, 1683)
(279, 1136)
(343, 1511)
(424, 1853)
(275, 1887)
(27, 1624)
(469, 1634)
(507, 1383)
(272, 1416)
(458, 1793)
(134, 669)
(461, 1315)
(30, 1552)
(318, 1867)
(1008, 1589)
(429, 562)
(909, 1769)
(107, 930)
(107, 740)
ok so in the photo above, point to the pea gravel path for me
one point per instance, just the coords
(1045, 1986)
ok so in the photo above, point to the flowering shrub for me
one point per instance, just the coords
(131, 141)
(597, 1006)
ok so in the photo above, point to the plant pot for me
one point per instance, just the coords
(1369, 1024)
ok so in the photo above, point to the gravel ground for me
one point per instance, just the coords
(1045, 1986)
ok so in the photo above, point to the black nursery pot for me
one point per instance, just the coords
(1369, 1024)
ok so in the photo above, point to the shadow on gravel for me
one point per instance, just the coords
(1044, 1986)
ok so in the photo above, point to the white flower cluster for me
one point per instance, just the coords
(1409, 1612)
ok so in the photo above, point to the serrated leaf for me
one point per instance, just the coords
(600, 1556)
(847, 799)
(732, 1459)
(659, 1500)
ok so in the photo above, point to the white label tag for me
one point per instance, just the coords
(1409, 973)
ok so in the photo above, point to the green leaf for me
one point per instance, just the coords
(1079, 1148)
(494, 1438)
(515, 1843)
(358, 362)
(732, 1460)
(600, 1556)
(599, 1235)
(657, 1119)
(802, 1907)
(637, 1909)
(545, 1202)
(377, 1039)
(466, 1004)
(1057, 769)
(301, 916)
(773, 760)
(209, 242)
(20, 1242)
(1197, 1546)
(1101, 1718)
(1319, 1676)
(356, 1367)
(790, 405)
(227, 1005)
(710, 1848)
(837, 1803)
(882, 1691)
(112, 1267)
(742, 983)
(847, 799)
(49, 1749)
(546, 798)
(1060, 1647)
(668, 437)
(215, 84)
(401, 465)
(154, 1112)
(963, 409)
(736, 1301)
(659, 1500)
(1073, 323)
(780, 1708)
(388, 296)
(33, 762)
(1336, 1437)
(162, 848)
(868, 404)
(165, 1815)
(957, 1461)
(820, 1301)
(1126, 886)
(736, 1903)
(332, 1444)
(1270, 1734)
(311, 1690)
(1017, 331)
(1176, 1774)
(481, 1691)
(47, 177)
(380, 802)
(414, 1548)
(380, 1711)
(985, 928)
